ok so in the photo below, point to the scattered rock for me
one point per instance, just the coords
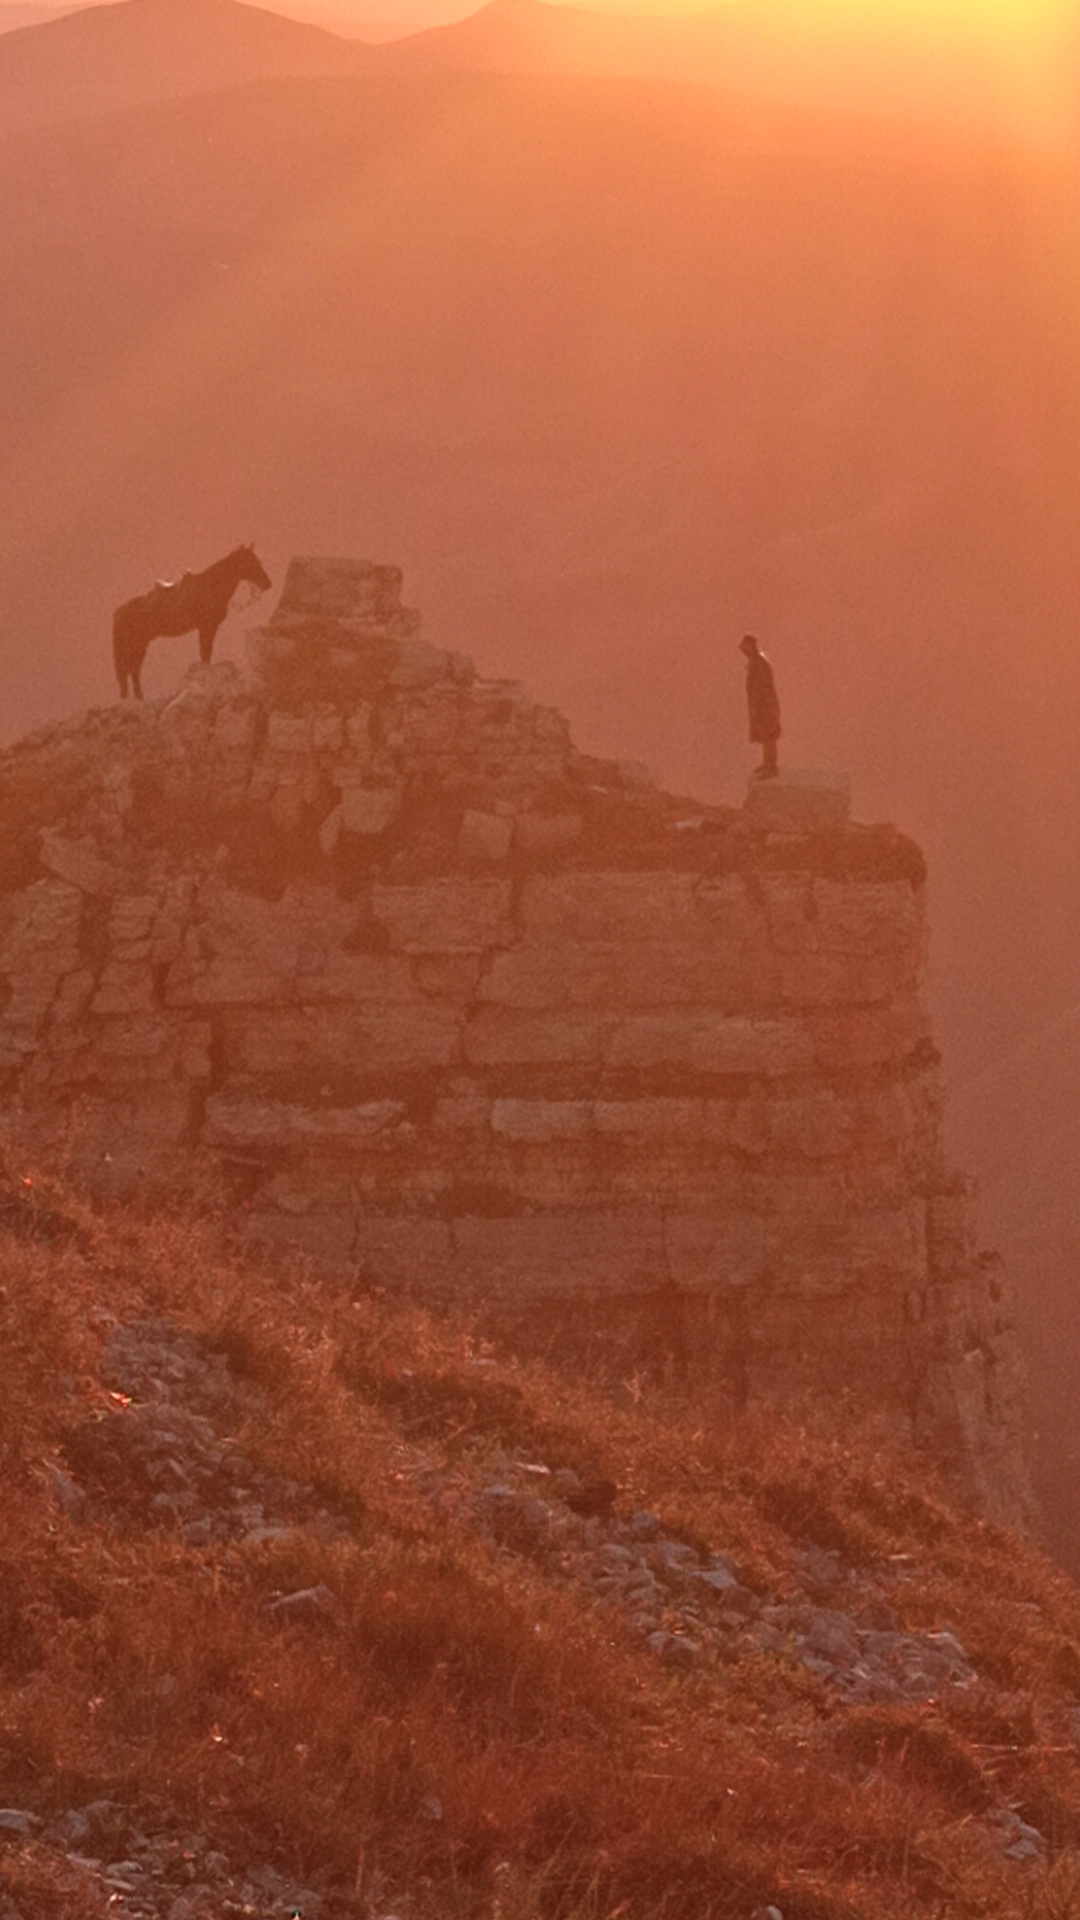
(308, 1603)
(16, 1820)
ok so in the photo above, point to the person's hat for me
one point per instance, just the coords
(748, 644)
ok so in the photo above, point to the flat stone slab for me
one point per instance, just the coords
(799, 800)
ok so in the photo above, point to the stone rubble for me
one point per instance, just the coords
(165, 1459)
(691, 1607)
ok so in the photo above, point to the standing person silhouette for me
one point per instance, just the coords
(763, 705)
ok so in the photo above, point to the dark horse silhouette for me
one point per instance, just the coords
(199, 602)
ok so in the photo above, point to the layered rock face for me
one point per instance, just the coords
(468, 1014)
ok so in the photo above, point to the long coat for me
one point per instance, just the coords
(761, 699)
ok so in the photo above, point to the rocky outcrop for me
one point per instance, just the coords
(466, 1013)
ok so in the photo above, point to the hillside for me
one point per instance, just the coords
(675, 366)
(311, 1603)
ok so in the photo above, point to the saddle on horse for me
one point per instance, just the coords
(162, 589)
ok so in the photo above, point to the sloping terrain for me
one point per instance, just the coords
(308, 1603)
(666, 369)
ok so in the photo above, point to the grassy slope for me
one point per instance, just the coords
(576, 1775)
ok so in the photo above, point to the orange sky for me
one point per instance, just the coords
(1029, 45)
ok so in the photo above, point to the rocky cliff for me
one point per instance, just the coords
(465, 1013)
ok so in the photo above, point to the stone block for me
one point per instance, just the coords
(463, 1108)
(263, 649)
(327, 730)
(951, 1232)
(288, 733)
(358, 728)
(132, 918)
(799, 800)
(289, 804)
(446, 915)
(861, 917)
(432, 724)
(419, 664)
(224, 980)
(551, 726)
(72, 997)
(331, 830)
(634, 773)
(831, 1250)
(339, 1040)
(715, 1251)
(619, 978)
(325, 1237)
(856, 918)
(619, 939)
(540, 833)
(131, 1130)
(234, 730)
(39, 928)
(610, 909)
(368, 811)
(867, 1037)
(650, 1121)
(485, 836)
(125, 986)
(749, 1125)
(276, 1125)
(366, 980)
(340, 589)
(844, 979)
(499, 1037)
(585, 1254)
(541, 1120)
(150, 1040)
(403, 1252)
(78, 862)
(29, 998)
(242, 949)
(817, 1125)
(447, 976)
(710, 1044)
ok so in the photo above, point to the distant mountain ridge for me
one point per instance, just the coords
(26, 13)
(943, 72)
(107, 56)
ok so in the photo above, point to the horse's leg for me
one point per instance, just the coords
(136, 670)
(207, 636)
(120, 654)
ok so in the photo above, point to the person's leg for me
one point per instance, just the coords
(769, 764)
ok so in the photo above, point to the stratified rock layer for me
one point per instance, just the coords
(467, 1014)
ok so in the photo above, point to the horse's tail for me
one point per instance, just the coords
(125, 649)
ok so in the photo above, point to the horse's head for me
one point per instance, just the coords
(252, 569)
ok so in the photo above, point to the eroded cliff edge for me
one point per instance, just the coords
(468, 1014)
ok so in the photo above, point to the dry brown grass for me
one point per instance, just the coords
(457, 1723)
